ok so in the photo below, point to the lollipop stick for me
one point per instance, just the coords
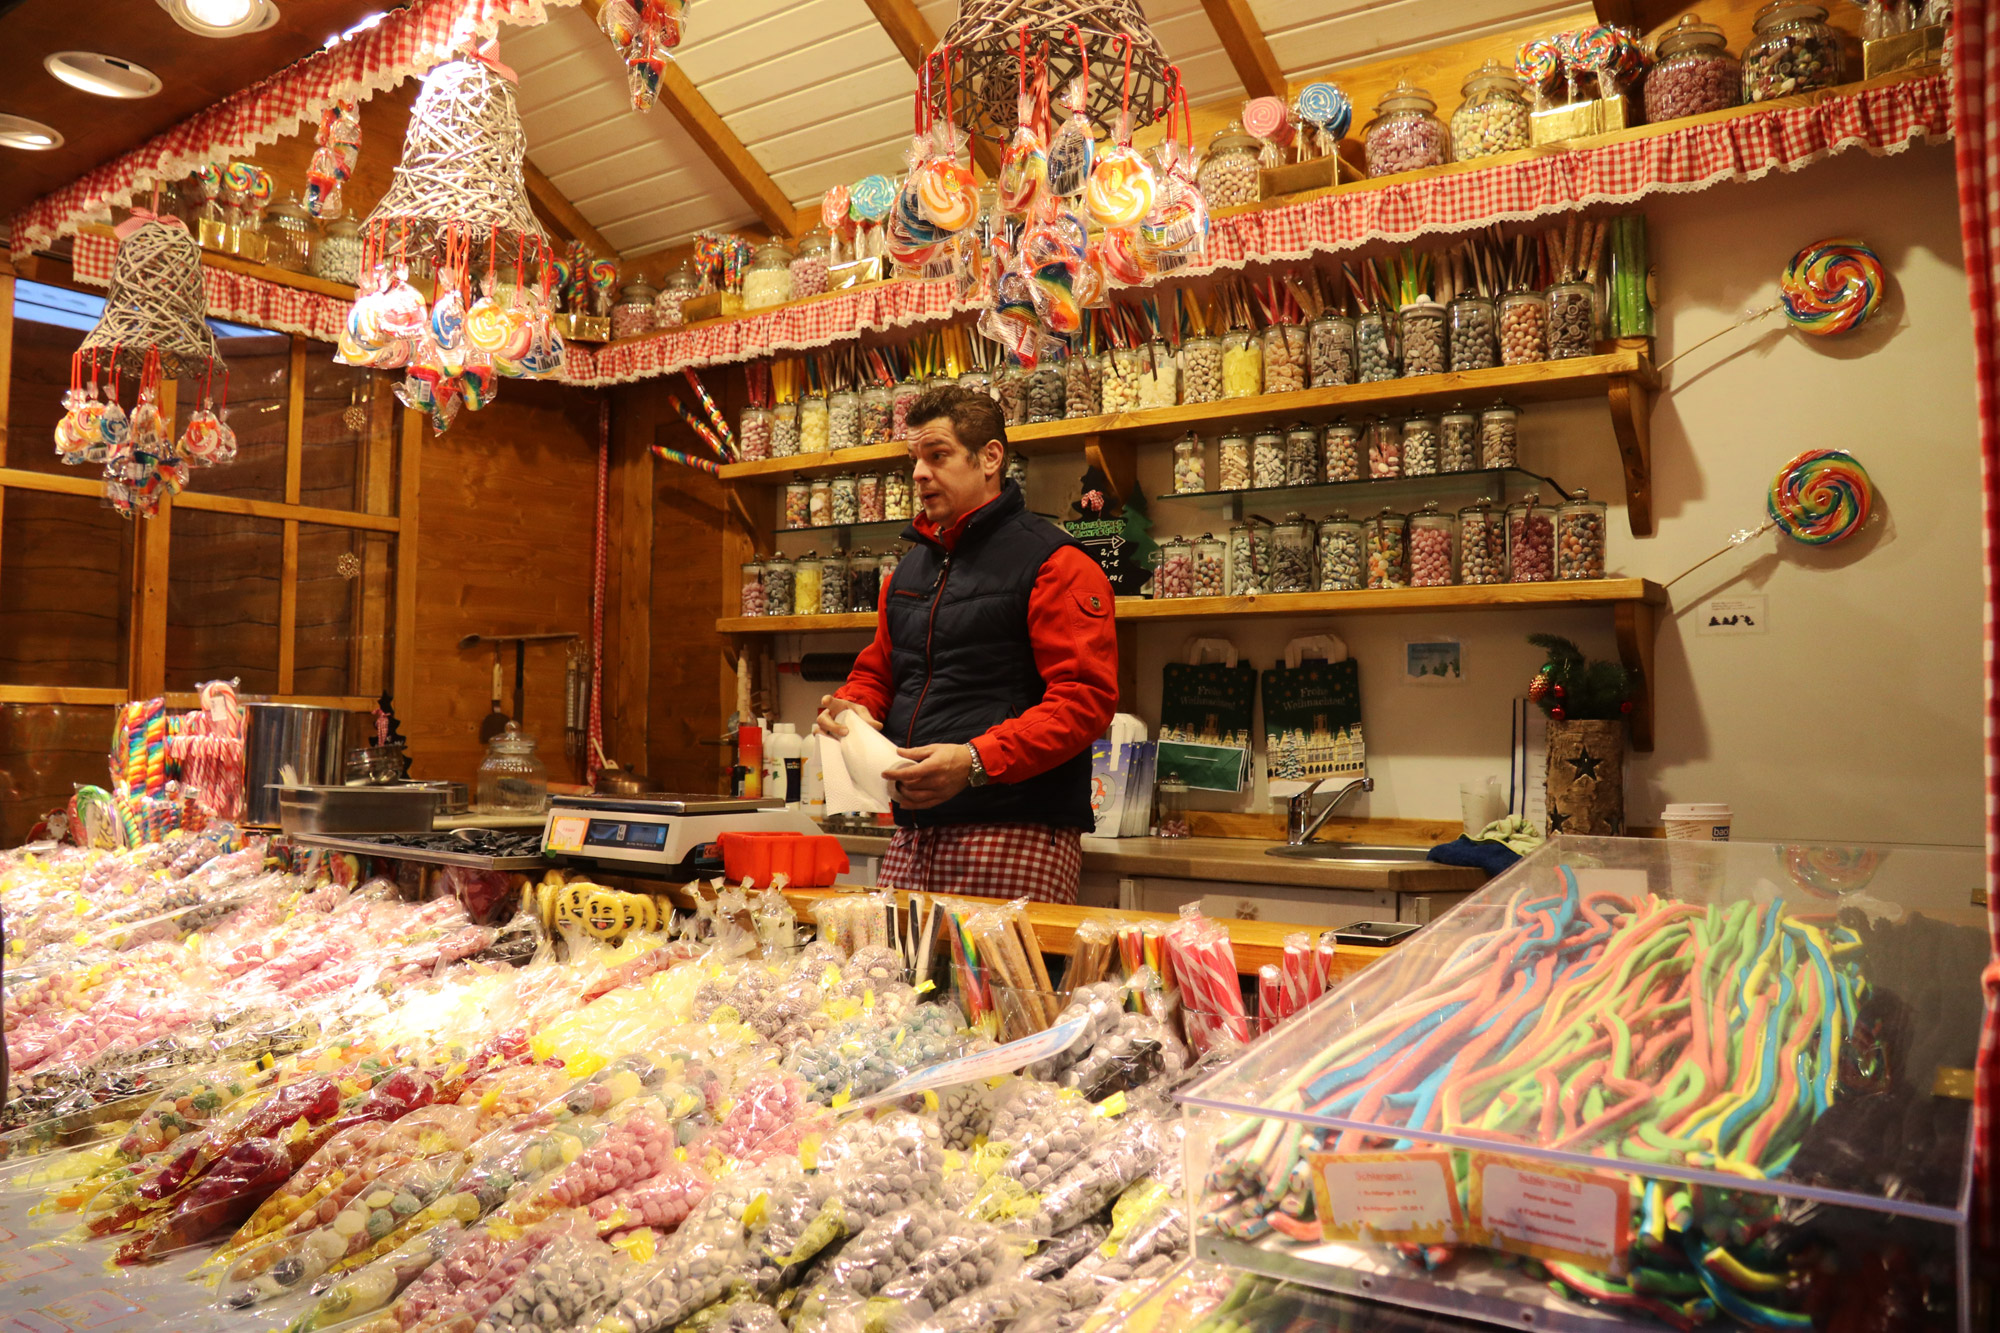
(1750, 317)
(1735, 540)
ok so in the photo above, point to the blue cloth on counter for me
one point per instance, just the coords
(1480, 854)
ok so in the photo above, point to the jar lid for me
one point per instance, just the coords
(753, 564)
(1502, 406)
(815, 241)
(1457, 410)
(1428, 507)
(1483, 502)
(1788, 11)
(1232, 138)
(343, 227)
(511, 741)
(1406, 97)
(1690, 34)
(862, 553)
(1388, 513)
(1492, 74)
(1295, 517)
(290, 209)
(1422, 303)
(638, 292)
(1337, 516)
(774, 250)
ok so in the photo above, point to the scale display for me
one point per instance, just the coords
(618, 833)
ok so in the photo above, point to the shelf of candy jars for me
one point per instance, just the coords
(1629, 1081)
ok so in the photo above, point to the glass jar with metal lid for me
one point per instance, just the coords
(1572, 320)
(845, 504)
(1045, 392)
(1420, 333)
(1794, 51)
(1292, 555)
(1385, 448)
(1524, 328)
(511, 778)
(1010, 389)
(1692, 72)
(1375, 346)
(1232, 462)
(815, 424)
(1342, 567)
(821, 503)
(809, 264)
(633, 315)
(1211, 566)
(978, 381)
(901, 396)
(1500, 436)
(1580, 537)
(1406, 134)
(1285, 357)
(1267, 459)
(1017, 468)
(1124, 368)
(750, 600)
(1343, 451)
(798, 503)
(1420, 445)
(682, 286)
(875, 414)
(1531, 540)
(1249, 559)
(1330, 350)
(1170, 801)
(753, 433)
(806, 585)
(1388, 545)
(1228, 174)
(1493, 117)
(1160, 386)
(1482, 543)
(1242, 364)
(1173, 576)
(864, 581)
(1201, 367)
(833, 591)
(780, 581)
(1301, 454)
(768, 280)
(291, 235)
(1189, 467)
(895, 497)
(1458, 440)
(337, 257)
(1430, 547)
(868, 507)
(1475, 333)
(843, 419)
(784, 429)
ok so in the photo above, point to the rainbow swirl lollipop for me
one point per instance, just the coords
(1832, 286)
(949, 197)
(1024, 171)
(1821, 497)
(239, 180)
(1122, 188)
(871, 198)
(1831, 872)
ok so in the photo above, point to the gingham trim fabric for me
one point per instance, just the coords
(1031, 861)
(232, 296)
(1976, 67)
(408, 42)
(1880, 120)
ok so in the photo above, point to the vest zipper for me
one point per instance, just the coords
(930, 668)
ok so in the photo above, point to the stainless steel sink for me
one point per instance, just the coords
(1354, 852)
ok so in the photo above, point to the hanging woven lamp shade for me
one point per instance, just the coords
(983, 49)
(461, 168)
(155, 304)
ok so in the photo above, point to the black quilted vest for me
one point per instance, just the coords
(960, 660)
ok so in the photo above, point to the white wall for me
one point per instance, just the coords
(1858, 715)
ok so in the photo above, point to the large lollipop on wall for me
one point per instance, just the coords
(1820, 498)
(1830, 287)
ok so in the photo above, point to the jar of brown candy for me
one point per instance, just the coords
(1284, 358)
(1500, 436)
(1301, 455)
(1524, 328)
(1228, 172)
(1572, 320)
(1580, 538)
(1211, 566)
(1267, 459)
(1232, 461)
(1292, 555)
(1482, 543)
(1493, 118)
(1010, 385)
(1430, 547)
(1692, 72)
(1795, 51)
(1341, 566)
(1201, 370)
(864, 581)
(1458, 440)
(779, 576)
(1531, 541)
(1475, 341)
(1420, 330)
(1331, 350)
(1406, 134)
(1045, 392)
(1083, 385)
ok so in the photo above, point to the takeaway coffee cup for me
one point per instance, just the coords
(1697, 822)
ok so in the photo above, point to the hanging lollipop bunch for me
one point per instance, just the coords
(645, 33)
(338, 148)
(1122, 189)
(1176, 231)
(938, 198)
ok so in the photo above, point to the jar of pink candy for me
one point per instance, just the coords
(1406, 134)
(1174, 576)
(809, 265)
(1493, 118)
(1430, 547)
(902, 396)
(1694, 72)
(751, 601)
(1531, 541)
(868, 505)
(753, 433)
(632, 317)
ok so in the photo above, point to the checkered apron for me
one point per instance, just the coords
(1031, 861)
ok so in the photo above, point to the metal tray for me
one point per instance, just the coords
(357, 809)
(366, 845)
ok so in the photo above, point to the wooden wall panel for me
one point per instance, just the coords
(64, 561)
(45, 751)
(509, 499)
(687, 575)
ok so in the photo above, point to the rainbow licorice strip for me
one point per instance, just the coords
(1821, 497)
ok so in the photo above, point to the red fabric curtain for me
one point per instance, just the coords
(1975, 61)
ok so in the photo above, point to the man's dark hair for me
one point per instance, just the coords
(975, 418)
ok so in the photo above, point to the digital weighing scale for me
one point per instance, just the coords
(662, 835)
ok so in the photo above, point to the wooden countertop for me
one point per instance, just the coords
(1241, 860)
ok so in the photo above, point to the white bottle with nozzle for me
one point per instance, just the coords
(784, 758)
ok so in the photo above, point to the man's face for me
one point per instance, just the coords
(949, 480)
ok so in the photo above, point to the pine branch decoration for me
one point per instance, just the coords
(1571, 687)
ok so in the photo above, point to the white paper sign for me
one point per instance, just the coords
(1733, 615)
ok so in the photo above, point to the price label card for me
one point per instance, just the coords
(1406, 1197)
(1549, 1212)
(566, 833)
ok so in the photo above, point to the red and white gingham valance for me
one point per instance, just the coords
(409, 41)
(1882, 119)
(232, 296)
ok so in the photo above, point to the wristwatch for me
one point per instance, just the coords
(978, 776)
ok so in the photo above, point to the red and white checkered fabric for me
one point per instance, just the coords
(1031, 861)
(232, 296)
(1976, 122)
(409, 41)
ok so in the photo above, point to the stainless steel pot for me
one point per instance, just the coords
(304, 737)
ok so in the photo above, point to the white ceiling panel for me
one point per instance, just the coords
(1309, 36)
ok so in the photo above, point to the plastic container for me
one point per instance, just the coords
(1580, 538)
(1330, 350)
(1301, 455)
(1170, 798)
(820, 503)
(1189, 469)
(809, 265)
(1388, 545)
(876, 427)
(1242, 364)
(868, 498)
(753, 433)
(1698, 821)
(780, 584)
(1421, 334)
(806, 860)
(1406, 134)
(1201, 370)
(1482, 543)
(1173, 576)
(784, 430)
(632, 316)
(1045, 392)
(798, 504)
(845, 502)
(1500, 436)
(1267, 459)
(1524, 328)
(1430, 547)
(815, 425)
(1531, 540)
(1160, 386)
(1232, 463)
(1692, 72)
(768, 280)
(1794, 51)
(1375, 347)
(1475, 333)
(1285, 358)
(833, 590)
(843, 419)
(1228, 174)
(1385, 448)
(805, 585)
(1342, 567)
(1342, 451)
(1493, 116)
(1249, 559)
(864, 581)
(511, 779)
(1210, 576)
(751, 597)
(1572, 320)
(1420, 446)
(1458, 440)
(1292, 555)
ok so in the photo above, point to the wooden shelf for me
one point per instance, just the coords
(1623, 376)
(1633, 603)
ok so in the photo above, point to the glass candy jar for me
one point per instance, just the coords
(1794, 51)
(1458, 441)
(1189, 478)
(978, 381)
(815, 425)
(1232, 463)
(753, 433)
(1174, 575)
(750, 600)
(683, 285)
(1341, 567)
(1580, 538)
(632, 316)
(1692, 72)
(1211, 566)
(1531, 541)
(809, 265)
(896, 498)
(1482, 543)
(1284, 358)
(511, 778)
(1420, 332)
(868, 506)
(1524, 328)
(1475, 340)
(805, 585)
(1301, 455)
(1292, 555)
(1493, 117)
(1242, 364)
(1045, 392)
(1201, 370)
(1017, 468)
(784, 430)
(1388, 543)
(844, 503)
(1228, 174)
(798, 504)
(1124, 368)
(1010, 385)
(1420, 446)
(820, 503)
(1331, 350)
(875, 418)
(864, 581)
(1430, 547)
(337, 257)
(768, 280)
(1267, 459)
(1385, 448)
(292, 235)
(1500, 436)
(1375, 347)
(1572, 320)
(1249, 559)
(833, 591)
(1406, 134)
(1343, 451)
(780, 578)
(1170, 796)
(843, 419)
(900, 398)
(1083, 385)
(1160, 385)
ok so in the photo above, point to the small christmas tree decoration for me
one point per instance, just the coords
(1585, 701)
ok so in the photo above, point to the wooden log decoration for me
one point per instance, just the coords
(1586, 791)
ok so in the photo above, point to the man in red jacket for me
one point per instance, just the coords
(994, 667)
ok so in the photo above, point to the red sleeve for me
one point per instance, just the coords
(868, 683)
(1075, 640)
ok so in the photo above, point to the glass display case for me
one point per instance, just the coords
(1630, 1082)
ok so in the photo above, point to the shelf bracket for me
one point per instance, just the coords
(1632, 422)
(1636, 624)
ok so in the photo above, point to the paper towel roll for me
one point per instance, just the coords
(853, 768)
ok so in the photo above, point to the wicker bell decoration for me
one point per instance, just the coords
(156, 304)
(982, 47)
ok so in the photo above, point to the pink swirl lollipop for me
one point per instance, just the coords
(1120, 251)
(833, 213)
(1266, 118)
(1832, 286)
(1821, 497)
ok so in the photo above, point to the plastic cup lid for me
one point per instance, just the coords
(1696, 811)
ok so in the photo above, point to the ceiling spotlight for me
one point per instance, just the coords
(20, 132)
(106, 76)
(222, 18)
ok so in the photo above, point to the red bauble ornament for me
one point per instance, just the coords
(1560, 691)
(1556, 713)
(1625, 707)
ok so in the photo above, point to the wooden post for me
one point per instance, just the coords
(410, 467)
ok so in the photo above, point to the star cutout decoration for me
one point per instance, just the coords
(1586, 765)
(1556, 821)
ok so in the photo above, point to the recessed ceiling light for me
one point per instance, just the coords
(106, 76)
(20, 132)
(222, 18)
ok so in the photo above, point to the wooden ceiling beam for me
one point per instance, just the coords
(721, 146)
(1249, 52)
(911, 32)
(557, 205)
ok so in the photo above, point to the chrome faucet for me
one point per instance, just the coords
(1301, 823)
